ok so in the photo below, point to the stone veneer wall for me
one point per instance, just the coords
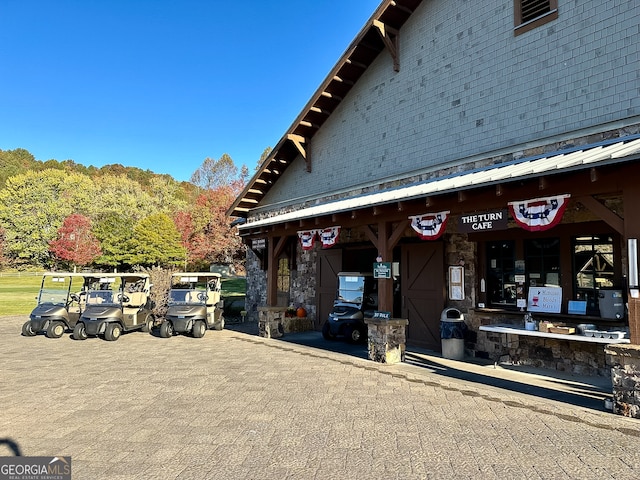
(625, 369)
(256, 295)
(303, 281)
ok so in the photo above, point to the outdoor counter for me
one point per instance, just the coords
(513, 330)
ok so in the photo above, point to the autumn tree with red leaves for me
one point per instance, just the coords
(76, 243)
(205, 229)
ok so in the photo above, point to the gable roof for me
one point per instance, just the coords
(379, 33)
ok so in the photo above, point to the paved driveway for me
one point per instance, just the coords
(235, 406)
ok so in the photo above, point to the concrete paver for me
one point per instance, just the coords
(235, 406)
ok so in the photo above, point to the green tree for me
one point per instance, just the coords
(167, 194)
(14, 162)
(33, 206)
(114, 231)
(156, 242)
(119, 194)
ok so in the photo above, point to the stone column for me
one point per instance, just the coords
(625, 376)
(270, 321)
(387, 339)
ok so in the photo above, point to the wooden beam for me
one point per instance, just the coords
(299, 141)
(373, 237)
(542, 182)
(401, 8)
(611, 218)
(390, 39)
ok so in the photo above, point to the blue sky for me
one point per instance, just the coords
(163, 84)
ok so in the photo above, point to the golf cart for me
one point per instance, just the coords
(61, 300)
(194, 304)
(356, 300)
(116, 303)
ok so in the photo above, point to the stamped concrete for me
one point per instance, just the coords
(232, 405)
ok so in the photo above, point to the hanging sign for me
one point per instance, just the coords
(329, 236)
(483, 221)
(307, 238)
(258, 243)
(382, 270)
(430, 225)
(540, 213)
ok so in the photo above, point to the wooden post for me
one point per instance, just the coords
(631, 198)
(385, 240)
(274, 249)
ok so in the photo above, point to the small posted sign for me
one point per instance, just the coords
(382, 270)
(383, 315)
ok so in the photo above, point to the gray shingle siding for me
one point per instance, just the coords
(467, 86)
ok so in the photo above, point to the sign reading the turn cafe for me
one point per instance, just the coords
(483, 221)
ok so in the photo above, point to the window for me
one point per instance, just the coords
(593, 262)
(529, 14)
(501, 283)
(542, 260)
(284, 280)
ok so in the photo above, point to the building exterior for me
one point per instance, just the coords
(490, 155)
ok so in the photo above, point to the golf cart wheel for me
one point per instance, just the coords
(166, 329)
(27, 329)
(219, 325)
(148, 325)
(199, 328)
(326, 332)
(55, 330)
(79, 331)
(112, 332)
(354, 335)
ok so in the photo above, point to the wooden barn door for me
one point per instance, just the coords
(422, 289)
(328, 266)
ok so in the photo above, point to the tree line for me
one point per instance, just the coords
(62, 215)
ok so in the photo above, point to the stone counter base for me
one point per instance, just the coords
(625, 376)
(273, 323)
(387, 340)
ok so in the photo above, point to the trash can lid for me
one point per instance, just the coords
(452, 315)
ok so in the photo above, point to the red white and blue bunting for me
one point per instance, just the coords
(430, 226)
(329, 236)
(307, 238)
(539, 214)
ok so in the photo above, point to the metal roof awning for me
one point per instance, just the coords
(619, 150)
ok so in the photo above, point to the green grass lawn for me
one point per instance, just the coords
(18, 294)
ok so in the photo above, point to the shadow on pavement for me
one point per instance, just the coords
(587, 392)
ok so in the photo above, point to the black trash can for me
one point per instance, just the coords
(452, 330)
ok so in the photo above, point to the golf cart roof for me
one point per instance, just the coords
(116, 275)
(197, 274)
(67, 274)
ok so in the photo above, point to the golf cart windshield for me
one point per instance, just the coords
(350, 289)
(54, 290)
(192, 290)
(105, 291)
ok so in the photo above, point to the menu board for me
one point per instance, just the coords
(544, 299)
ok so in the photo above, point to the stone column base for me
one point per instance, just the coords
(387, 339)
(625, 376)
(270, 321)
